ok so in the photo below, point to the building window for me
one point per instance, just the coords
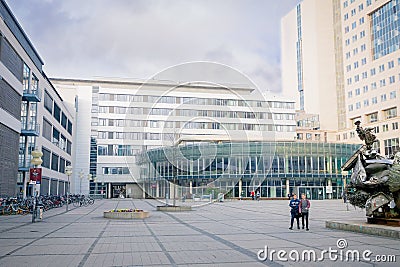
(374, 100)
(54, 162)
(350, 94)
(391, 64)
(391, 113)
(57, 112)
(351, 107)
(48, 102)
(64, 121)
(395, 126)
(299, 136)
(381, 68)
(393, 95)
(56, 136)
(366, 103)
(373, 117)
(385, 31)
(383, 98)
(26, 77)
(373, 85)
(385, 128)
(62, 165)
(373, 71)
(47, 129)
(365, 89)
(46, 157)
(363, 47)
(358, 91)
(382, 83)
(358, 105)
(363, 61)
(391, 146)
(69, 127)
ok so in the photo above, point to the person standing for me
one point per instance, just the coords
(304, 207)
(294, 211)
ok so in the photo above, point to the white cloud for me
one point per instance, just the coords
(123, 38)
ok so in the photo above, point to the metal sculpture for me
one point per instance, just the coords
(375, 179)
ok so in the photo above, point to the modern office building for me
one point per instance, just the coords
(32, 115)
(371, 57)
(308, 60)
(356, 41)
(117, 119)
(275, 169)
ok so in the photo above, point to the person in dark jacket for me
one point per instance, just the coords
(304, 207)
(294, 211)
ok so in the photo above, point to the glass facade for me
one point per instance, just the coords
(385, 25)
(273, 168)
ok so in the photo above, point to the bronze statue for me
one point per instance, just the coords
(375, 179)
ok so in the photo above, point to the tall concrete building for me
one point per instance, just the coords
(371, 64)
(32, 115)
(117, 119)
(308, 60)
(343, 58)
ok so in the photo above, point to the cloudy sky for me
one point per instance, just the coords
(139, 38)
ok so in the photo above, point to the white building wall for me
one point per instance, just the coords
(88, 120)
(318, 59)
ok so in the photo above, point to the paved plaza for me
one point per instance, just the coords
(222, 234)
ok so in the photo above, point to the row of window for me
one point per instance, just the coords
(215, 126)
(373, 117)
(195, 113)
(51, 133)
(53, 161)
(55, 110)
(374, 100)
(115, 170)
(117, 150)
(364, 75)
(261, 165)
(385, 128)
(381, 68)
(194, 101)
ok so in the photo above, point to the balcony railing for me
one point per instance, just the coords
(32, 95)
(30, 129)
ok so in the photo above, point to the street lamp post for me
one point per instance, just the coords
(80, 181)
(68, 172)
(89, 177)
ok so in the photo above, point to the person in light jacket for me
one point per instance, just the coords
(304, 207)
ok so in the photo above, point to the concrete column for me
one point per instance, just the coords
(273, 191)
(144, 190)
(287, 187)
(329, 195)
(109, 191)
(58, 181)
(157, 189)
(191, 187)
(240, 187)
